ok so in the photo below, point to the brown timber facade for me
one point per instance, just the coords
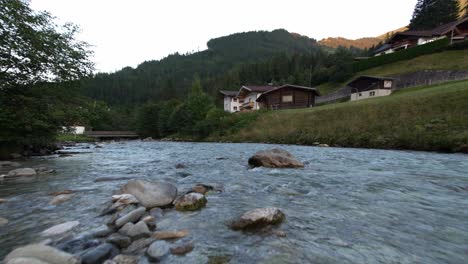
(288, 97)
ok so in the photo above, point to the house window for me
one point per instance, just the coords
(372, 94)
(235, 108)
(387, 84)
(360, 94)
(234, 99)
(287, 99)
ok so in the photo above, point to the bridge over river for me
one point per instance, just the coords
(111, 134)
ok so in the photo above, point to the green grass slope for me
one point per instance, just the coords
(433, 118)
(447, 60)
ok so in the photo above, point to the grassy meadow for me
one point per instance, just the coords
(433, 118)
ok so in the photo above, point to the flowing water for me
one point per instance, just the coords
(345, 206)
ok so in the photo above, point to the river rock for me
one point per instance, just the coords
(42, 253)
(139, 230)
(125, 259)
(190, 202)
(102, 231)
(123, 199)
(151, 194)
(157, 250)
(164, 235)
(119, 240)
(3, 200)
(156, 213)
(202, 188)
(44, 170)
(78, 244)
(182, 249)
(99, 254)
(323, 145)
(60, 199)
(131, 217)
(138, 245)
(3, 221)
(274, 158)
(61, 192)
(60, 229)
(150, 221)
(26, 261)
(258, 218)
(9, 164)
(22, 172)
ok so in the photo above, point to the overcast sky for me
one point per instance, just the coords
(128, 32)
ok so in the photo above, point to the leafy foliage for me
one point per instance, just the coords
(34, 49)
(429, 14)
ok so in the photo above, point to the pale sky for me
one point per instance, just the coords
(129, 32)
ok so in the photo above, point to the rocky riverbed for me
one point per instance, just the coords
(142, 202)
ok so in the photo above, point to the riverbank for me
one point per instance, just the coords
(430, 118)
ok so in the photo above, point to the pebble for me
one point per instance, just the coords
(157, 250)
(133, 216)
(60, 229)
(119, 240)
(182, 249)
(60, 199)
(163, 235)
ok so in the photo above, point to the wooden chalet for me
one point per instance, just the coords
(288, 96)
(456, 31)
(365, 87)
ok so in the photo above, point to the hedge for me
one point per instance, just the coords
(406, 54)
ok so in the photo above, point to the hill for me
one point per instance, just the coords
(427, 118)
(361, 43)
(447, 60)
(171, 77)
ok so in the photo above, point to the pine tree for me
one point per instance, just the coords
(429, 14)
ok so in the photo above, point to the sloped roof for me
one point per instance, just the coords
(435, 32)
(290, 86)
(229, 93)
(259, 88)
(379, 78)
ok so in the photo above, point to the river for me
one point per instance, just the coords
(345, 206)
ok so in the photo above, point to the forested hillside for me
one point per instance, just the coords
(171, 77)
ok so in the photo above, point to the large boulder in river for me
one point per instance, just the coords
(151, 194)
(258, 218)
(40, 253)
(274, 158)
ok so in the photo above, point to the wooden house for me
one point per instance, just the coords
(455, 31)
(288, 96)
(365, 87)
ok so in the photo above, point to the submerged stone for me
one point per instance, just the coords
(190, 202)
(258, 218)
(274, 158)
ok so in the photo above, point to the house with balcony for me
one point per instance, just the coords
(288, 97)
(455, 31)
(248, 95)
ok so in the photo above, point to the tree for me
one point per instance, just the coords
(33, 51)
(429, 14)
(33, 48)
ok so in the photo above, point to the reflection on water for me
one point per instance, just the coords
(346, 205)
